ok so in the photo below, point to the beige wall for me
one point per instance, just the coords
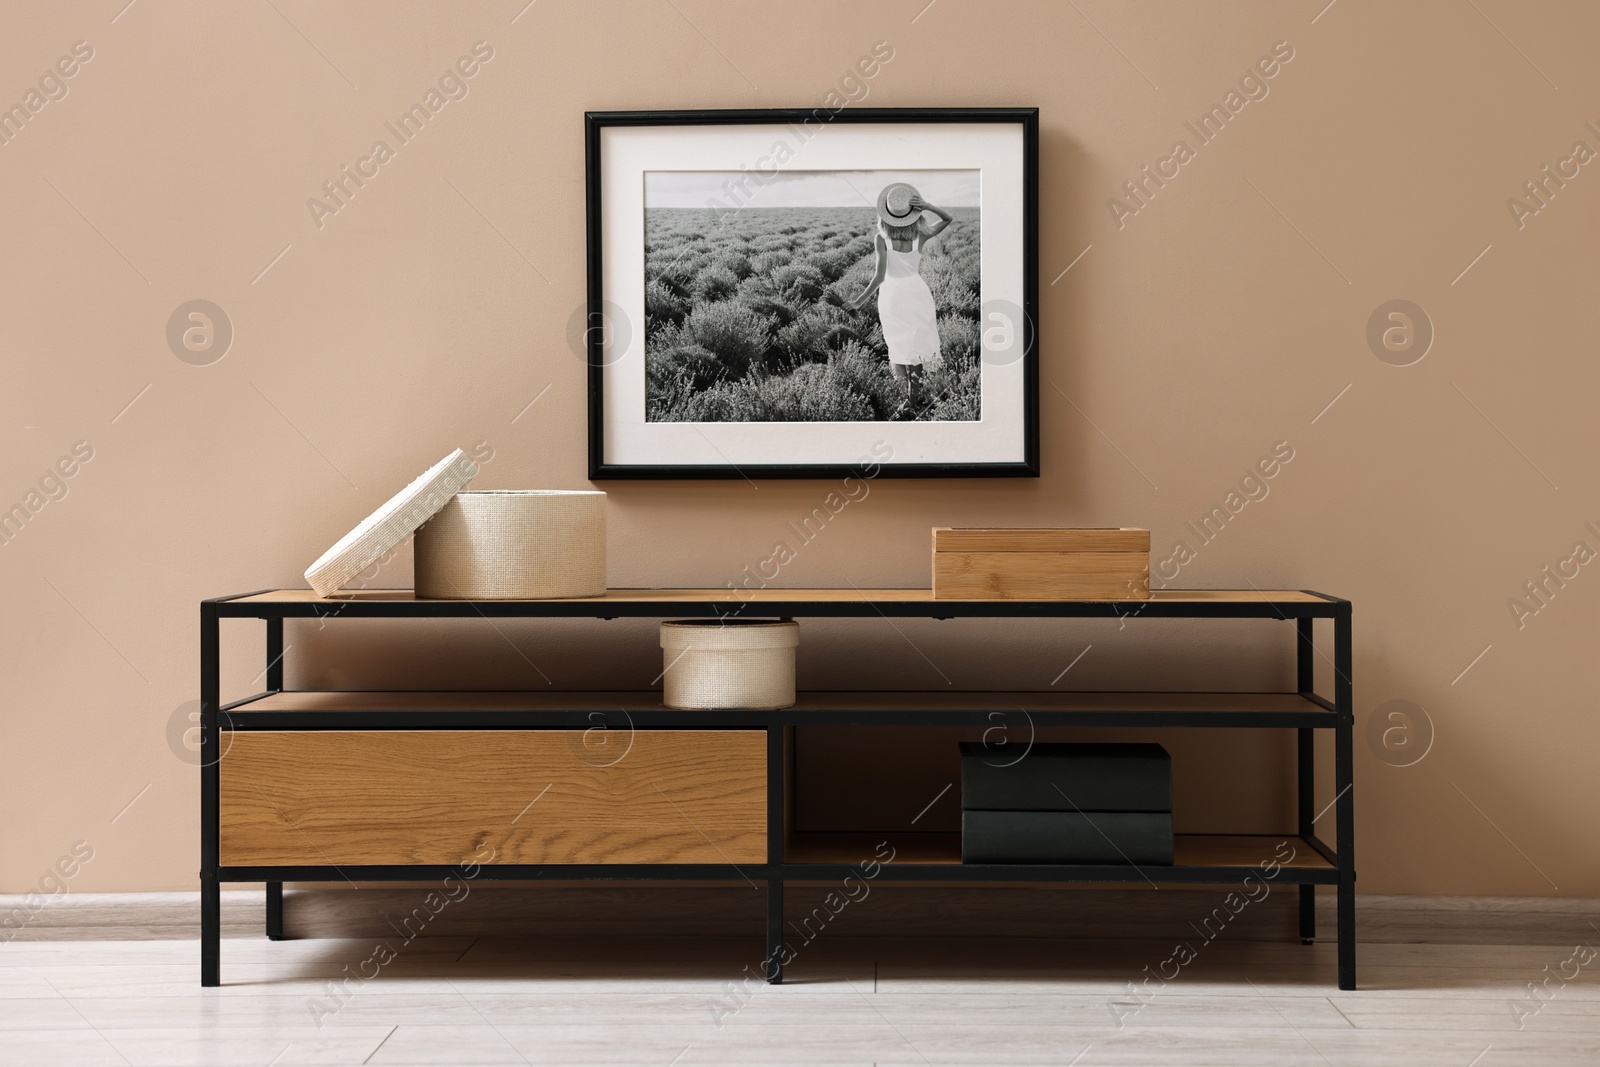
(1221, 318)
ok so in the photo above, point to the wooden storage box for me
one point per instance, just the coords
(1041, 564)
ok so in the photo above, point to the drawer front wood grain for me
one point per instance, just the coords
(531, 796)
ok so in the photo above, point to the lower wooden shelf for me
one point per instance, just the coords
(1242, 862)
(1199, 857)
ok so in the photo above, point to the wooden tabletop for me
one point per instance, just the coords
(787, 596)
(726, 603)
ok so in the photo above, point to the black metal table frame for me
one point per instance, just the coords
(1337, 715)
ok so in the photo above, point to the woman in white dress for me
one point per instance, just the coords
(905, 304)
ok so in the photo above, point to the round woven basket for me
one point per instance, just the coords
(514, 545)
(717, 663)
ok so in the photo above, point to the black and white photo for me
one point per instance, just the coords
(812, 296)
(775, 295)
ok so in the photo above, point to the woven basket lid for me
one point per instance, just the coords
(730, 635)
(391, 524)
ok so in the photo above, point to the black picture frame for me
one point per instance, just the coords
(595, 122)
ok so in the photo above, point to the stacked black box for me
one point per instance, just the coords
(1066, 803)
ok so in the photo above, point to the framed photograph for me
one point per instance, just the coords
(809, 294)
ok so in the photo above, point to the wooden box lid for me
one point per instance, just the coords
(1041, 539)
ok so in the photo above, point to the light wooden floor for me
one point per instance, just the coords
(102, 998)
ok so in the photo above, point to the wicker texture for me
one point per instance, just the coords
(729, 663)
(514, 545)
(390, 524)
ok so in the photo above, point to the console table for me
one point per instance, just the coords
(376, 785)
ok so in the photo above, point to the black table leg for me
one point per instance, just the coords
(1344, 800)
(1306, 766)
(1306, 743)
(274, 671)
(275, 911)
(274, 674)
(210, 740)
(777, 827)
(210, 931)
(774, 932)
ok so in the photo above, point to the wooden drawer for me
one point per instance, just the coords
(394, 797)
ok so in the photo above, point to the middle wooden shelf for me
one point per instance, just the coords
(489, 709)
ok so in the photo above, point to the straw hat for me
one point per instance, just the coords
(894, 204)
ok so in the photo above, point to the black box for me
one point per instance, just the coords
(1141, 838)
(1066, 777)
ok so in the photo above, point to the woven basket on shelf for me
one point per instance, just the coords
(717, 663)
(514, 545)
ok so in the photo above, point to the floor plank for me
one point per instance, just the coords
(848, 1000)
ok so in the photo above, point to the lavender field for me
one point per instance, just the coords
(746, 318)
